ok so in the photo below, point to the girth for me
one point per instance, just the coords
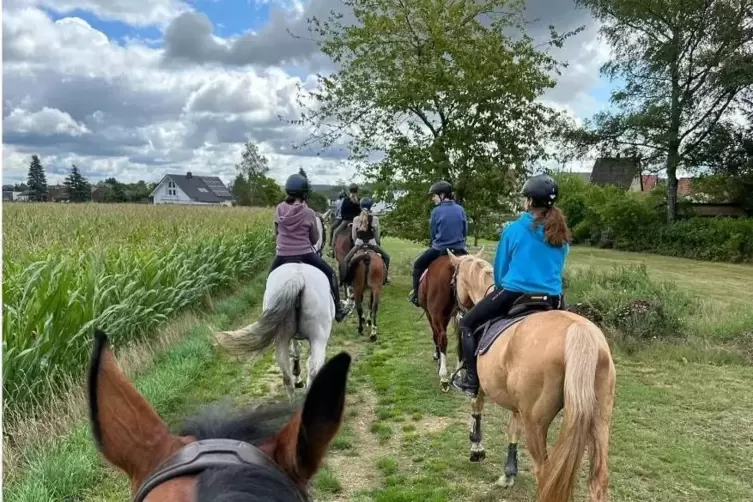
(207, 454)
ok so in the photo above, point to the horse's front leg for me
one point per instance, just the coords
(444, 379)
(296, 350)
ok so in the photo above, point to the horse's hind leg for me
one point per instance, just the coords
(374, 310)
(440, 341)
(477, 408)
(317, 355)
(599, 445)
(282, 352)
(511, 466)
(296, 346)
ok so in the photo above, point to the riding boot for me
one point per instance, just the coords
(340, 312)
(413, 298)
(469, 382)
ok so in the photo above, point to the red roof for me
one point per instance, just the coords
(649, 181)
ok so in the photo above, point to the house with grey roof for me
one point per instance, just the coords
(192, 190)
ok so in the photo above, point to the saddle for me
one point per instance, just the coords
(522, 308)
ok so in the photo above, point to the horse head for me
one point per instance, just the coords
(248, 455)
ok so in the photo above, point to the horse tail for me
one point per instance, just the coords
(278, 321)
(581, 358)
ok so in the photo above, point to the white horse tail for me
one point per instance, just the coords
(581, 358)
(278, 321)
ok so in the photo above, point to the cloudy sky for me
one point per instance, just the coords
(138, 88)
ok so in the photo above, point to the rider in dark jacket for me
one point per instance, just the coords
(296, 233)
(448, 227)
(349, 209)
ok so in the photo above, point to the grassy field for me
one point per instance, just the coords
(682, 429)
(126, 268)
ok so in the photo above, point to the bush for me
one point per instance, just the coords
(614, 218)
(628, 300)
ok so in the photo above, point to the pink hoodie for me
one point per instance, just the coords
(296, 229)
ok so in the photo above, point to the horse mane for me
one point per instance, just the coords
(241, 483)
(476, 276)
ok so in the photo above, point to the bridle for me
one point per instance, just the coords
(454, 286)
(207, 454)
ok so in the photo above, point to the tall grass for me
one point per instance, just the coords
(125, 268)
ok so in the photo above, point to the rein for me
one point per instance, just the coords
(196, 457)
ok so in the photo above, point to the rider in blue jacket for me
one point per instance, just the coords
(530, 260)
(448, 227)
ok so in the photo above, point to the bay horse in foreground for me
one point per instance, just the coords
(297, 305)
(534, 362)
(436, 297)
(366, 270)
(265, 454)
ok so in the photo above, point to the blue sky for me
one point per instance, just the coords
(115, 108)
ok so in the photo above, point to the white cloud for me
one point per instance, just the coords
(74, 95)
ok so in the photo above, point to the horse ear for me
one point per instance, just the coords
(453, 259)
(127, 431)
(303, 442)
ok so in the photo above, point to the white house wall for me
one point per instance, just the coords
(180, 197)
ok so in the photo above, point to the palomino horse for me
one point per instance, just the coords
(297, 304)
(366, 269)
(219, 456)
(540, 361)
(435, 296)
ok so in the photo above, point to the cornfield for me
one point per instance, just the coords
(124, 268)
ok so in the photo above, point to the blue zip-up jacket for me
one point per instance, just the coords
(448, 226)
(525, 262)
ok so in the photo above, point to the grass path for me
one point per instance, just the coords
(682, 431)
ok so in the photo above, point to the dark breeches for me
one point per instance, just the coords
(497, 304)
(314, 260)
(425, 259)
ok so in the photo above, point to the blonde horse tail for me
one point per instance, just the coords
(581, 358)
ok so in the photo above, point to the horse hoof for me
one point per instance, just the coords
(373, 338)
(478, 456)
(436, 356)
(445, 386)
(299, 385)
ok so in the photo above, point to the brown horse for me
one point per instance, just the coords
(252, 455)
(436, 296)
(343, 244)
(367, 271)
(544, 361)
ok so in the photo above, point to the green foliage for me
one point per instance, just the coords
(78, 189)
(318, 202)
(446, 89)
(610, 217)
(252, 186)
(76, 276)
(37, 180)
(627, 299)
(685, 64)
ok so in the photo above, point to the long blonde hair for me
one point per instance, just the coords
(363, 220)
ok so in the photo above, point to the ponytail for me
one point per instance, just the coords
(556, 231)
(363, 220)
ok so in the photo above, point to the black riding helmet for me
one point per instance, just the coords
(542, 190)
(441, 187)
(366, 203)
(297, 186)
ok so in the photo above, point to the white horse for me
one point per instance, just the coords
(320, 219)
(297, 306)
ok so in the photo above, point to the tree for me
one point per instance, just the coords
(685, 63)
(254, 166)
(303, 173)
(117, 191)
(271, 192)
(79, 190)
(441, 89)
(241, 191)
(37, 181)
(318, 202)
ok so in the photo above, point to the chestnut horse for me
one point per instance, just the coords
(343, 244)
(436, 296)
(250, 455)
(366, 270)
(542, 362)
